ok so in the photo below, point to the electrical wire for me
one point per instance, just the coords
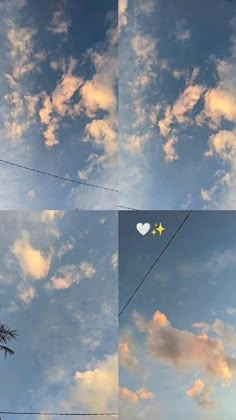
(155, 262)
(58, 176)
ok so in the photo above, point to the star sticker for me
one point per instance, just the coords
(160, 228)
(154, 232)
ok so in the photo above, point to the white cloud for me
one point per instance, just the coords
(27, 295)
(68, 275)
(96, 389)
(21, 53)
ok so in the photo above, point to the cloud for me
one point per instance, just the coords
(222, 146)
(135, 143)
(27, 295)
(143, 46)
(97, 95)
(146, 8)
(214, 265)
(13, 307)
(65, 248)
(50, 134)
(99, 102)
(169, 150)
(60, 24)
(225, 331)
(46, 111)
(32, 261)
(142, 394)
(58, 104)
(96, 389)
(230, 310)
(65, 91)
(184, 104)
(68, 275)
(103, 133)
(137, 404)
(201, 394)
(22, 52)
(122, 9)
(19, 113)
(48, 216)
(184, 350)
(127, 349)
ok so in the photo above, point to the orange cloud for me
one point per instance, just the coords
(142, 394)
(32, 261)
(201, 393)
(127, 350)
(185, 350)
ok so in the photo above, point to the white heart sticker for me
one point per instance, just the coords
(143, 228)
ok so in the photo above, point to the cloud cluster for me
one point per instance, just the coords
(201, 393)
(184, 350)
(96, 389)
(98, 95)
(145, 50)
(178, 113)
(219, 108)
(58, 105)
(68, 275)
(59, 24)
(141, 394)
(139, 404)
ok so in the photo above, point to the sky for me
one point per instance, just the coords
(59, 289)
(58, 83)
(177, 108)
(177, 336)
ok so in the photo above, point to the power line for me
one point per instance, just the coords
(59, 414)
(127, 208)
(58, 176)
(157, 259)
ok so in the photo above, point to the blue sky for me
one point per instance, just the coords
(178, 334)
(58, 103)
(177, 109)
(59, 289)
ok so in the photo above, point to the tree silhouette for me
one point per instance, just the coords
(6, 335)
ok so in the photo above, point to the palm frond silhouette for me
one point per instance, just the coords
(6, 335)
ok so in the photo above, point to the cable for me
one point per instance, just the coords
(157, 259)
(127, 208)
(60, 414)
(58, 176)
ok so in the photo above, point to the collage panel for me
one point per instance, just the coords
(177, 107)
(177, 315)
(58, 315)
(58, 82)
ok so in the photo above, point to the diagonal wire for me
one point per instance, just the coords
(127, 208)
(155, 262)
(57, 176)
